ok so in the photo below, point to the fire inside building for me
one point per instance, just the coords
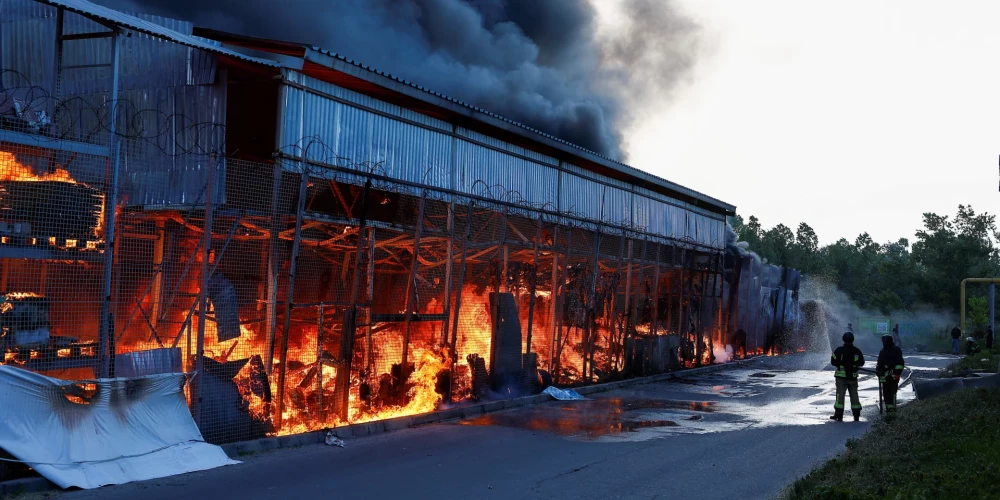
(318, 243)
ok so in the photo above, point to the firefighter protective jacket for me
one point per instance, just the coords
(890, 361)
(847, 359)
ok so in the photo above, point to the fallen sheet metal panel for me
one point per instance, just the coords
(109, 431)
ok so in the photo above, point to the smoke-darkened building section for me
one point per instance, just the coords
(321, 244)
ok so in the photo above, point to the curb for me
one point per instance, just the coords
(235, 450)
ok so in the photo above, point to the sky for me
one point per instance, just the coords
(850, 116)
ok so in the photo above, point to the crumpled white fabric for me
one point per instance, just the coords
(109, 431)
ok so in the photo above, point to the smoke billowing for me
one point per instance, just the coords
(539, 62)
(736, 247)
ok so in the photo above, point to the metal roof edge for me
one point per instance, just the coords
(105, 15)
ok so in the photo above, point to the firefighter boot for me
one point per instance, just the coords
(857, 415)
(838, 415)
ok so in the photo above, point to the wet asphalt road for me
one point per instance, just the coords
(739, 433)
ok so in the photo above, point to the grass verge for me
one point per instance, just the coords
(985, 360)
(947, 447)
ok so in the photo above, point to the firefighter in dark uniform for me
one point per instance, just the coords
(888, 368)
(847, 359)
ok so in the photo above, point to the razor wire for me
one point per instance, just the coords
(25, 106)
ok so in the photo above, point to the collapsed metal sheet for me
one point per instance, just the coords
(109, 431)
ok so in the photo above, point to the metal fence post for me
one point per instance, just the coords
(196, 396)
(319, 361)
(448, 270)
(461, 285)
(271, 318)
(412, 286)
(290, 302)
(534, 285)
(342, 403)
(111, 204)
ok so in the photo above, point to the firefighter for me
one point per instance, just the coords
(888, 368)
(847, 359)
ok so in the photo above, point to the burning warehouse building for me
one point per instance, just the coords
(321, 243)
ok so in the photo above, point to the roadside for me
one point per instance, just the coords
(699, 436)
(31, 483)
(946, 447)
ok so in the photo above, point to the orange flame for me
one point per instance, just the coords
(12, 170)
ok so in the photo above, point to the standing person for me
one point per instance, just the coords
(888, 368)
(895, 337)
(956, 334)
(989, 337)
(847, 359)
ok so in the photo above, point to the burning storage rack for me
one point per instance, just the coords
(50, 224)
(452, 297)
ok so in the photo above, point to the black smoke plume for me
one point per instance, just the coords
(539, 62)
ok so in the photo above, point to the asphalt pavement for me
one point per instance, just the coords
(739, 433)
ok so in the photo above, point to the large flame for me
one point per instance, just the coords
(308, 407)
(12, 170)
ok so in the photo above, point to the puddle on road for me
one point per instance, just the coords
(595, 418)
(743, 398)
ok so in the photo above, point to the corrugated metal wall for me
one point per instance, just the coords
(174, 100)
(328, 131)
(502, 175)
(331, 125)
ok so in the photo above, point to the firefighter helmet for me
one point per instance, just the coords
(849, 337)
(887, 339)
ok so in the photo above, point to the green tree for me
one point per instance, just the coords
(948, 251)
(895, 275)
(979, 314)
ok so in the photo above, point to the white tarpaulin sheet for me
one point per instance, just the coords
(110, 431)
(562, 394)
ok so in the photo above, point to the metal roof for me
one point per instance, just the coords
(105, 15)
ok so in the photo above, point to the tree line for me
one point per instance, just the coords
(897, 275)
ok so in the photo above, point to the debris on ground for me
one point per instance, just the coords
(333, 440)
(563, 394)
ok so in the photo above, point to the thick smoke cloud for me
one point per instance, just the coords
(538, 62)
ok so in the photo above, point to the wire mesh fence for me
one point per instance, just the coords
(310, 291)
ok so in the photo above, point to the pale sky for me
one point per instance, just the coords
(851, 116)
